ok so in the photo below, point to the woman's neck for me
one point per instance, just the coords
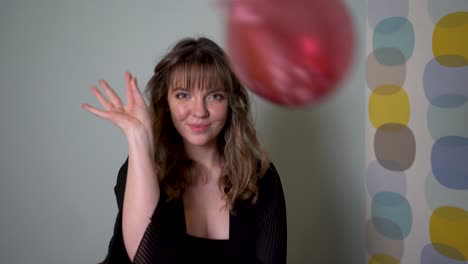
(208, 163)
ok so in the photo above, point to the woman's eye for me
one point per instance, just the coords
(217, 97)
(182, 95)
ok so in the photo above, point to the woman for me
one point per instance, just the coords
(197, 185)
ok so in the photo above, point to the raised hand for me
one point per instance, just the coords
(142, 186)
(130, 118)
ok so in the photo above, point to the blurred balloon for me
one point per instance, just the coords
(290, 52)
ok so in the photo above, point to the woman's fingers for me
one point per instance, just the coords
(97, 112)
(128, 89)
(117, 118)
(121, 120)
(137, 95)
(112, 95)
(104, 102)
(113, 109)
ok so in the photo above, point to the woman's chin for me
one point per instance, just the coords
(200, 142)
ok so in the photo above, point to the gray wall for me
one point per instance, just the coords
(59, 163)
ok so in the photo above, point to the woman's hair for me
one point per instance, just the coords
(201, 63)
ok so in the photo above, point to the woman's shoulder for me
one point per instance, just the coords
(270, 197)
(270, 177)
(269, 184)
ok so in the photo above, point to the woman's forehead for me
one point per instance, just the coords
(198, 78)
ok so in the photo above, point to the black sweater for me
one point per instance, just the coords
(257, 233)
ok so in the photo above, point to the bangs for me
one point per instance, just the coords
(188, 76)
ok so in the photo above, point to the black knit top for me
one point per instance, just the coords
(257, 232)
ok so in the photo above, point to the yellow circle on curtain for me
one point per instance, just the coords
(383, 259)
(449, 226)
(450, 40)
(389, 104)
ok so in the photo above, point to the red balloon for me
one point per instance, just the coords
(290, 52)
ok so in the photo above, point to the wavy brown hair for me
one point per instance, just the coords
(200, 62)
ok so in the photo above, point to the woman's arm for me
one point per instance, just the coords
(142, 187)
(118, 247)
(141, 191)
(271, 230)
(116, 250)
(152, 244)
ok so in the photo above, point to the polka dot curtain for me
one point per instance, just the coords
(417, 131)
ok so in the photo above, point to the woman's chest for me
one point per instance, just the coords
(206, 214)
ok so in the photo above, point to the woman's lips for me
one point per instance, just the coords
(199, 128)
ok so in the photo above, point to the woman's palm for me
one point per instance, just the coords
(134, 115)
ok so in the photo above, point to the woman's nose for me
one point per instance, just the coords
(199, 108)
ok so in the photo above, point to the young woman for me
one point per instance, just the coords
(197, 187)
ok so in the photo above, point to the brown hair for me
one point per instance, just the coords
(201, 61)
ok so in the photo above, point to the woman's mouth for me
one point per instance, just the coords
(198, 128)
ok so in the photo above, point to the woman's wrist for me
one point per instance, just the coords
(138, 139)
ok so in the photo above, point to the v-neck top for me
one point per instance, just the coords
(203, 250)
(194, 249)
(257, 232)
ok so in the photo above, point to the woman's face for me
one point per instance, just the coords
(198, 115)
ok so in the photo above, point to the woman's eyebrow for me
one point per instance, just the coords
(179, 88)
(209, 90)
(213, 90)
